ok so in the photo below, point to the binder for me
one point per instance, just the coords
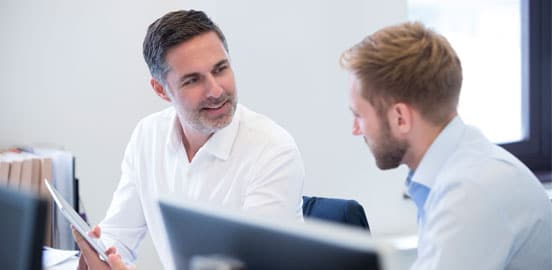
(46, 173)
(30, 167)
(4, 172)
(25, 168)
(63, 179)
(14, 178)
(14, 161)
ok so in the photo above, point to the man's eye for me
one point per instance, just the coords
(220, 69)
(189, 81)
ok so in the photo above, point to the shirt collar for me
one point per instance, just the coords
(418, 193)
(219, 145)
(438, 153)
(174, 135)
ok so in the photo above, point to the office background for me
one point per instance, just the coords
(73, 76)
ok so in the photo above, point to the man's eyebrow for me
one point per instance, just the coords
(196, 74)
(186, 76)
(220, 63)
(355, 112)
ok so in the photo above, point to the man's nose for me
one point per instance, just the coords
(214, 89)
(356, 130)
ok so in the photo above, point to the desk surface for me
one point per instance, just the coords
(400, 260)
(57, 259)
(70, 264)
(403, 262)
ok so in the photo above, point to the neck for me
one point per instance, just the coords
(420, 141)
(193, 140)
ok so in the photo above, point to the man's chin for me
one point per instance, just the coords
(221, 124)
(388, 164)
(213, 125)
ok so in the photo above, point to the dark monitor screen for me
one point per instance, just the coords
(22, 226)
(196, 230)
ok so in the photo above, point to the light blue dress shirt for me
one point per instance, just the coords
(478, 206)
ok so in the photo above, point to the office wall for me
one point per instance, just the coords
(72, 76)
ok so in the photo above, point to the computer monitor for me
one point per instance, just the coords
(199, 230)
(23, 227)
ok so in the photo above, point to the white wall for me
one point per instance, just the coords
(72, 75)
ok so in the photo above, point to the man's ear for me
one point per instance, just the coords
(400, 116)
(159, 89)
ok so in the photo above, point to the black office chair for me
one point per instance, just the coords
(348, 212)
(22, 226)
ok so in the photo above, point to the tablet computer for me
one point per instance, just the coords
(76, 220)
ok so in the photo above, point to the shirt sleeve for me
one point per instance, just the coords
(276, 187)
(463, 229)
(124, 225)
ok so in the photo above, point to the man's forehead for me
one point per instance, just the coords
(204, 47)
(199, 60)
(355, 87)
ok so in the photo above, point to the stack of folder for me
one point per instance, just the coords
(25, 169)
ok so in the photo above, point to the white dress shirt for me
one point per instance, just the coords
(484, 209)
(252, 164)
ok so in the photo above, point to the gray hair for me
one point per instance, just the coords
(171, 30)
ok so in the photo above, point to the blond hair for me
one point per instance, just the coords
(407, 63)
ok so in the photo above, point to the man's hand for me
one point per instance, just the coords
(89, 259)
(117, 264)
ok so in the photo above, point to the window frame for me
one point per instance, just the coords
(536, 148)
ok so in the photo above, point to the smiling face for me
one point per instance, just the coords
(200, 83)
(388, 150)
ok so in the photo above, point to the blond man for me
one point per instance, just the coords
(478, 206)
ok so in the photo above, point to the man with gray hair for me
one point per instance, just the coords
(205, 147)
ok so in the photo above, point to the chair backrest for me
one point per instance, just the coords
(348, 212)
(22, 227)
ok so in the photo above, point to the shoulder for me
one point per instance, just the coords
(158, 119)
(153, 124)
(258, 128)
(482, 163)
(156, 122)
(482, 172)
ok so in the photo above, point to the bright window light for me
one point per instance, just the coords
(487, 37)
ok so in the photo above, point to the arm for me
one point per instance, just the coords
(464, 229)
(124, 225)
(276, 188)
